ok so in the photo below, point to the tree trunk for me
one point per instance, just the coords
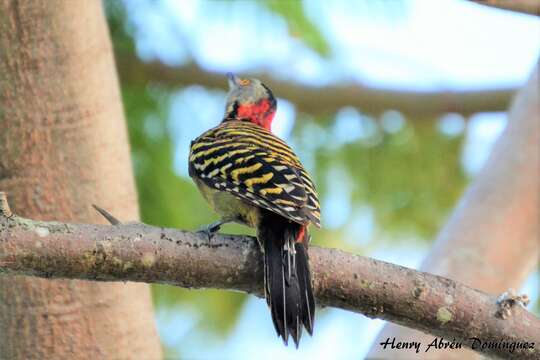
(63, 146)
(492, 240)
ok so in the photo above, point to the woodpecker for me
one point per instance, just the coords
(250, 176)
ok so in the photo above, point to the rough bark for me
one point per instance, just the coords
(325, 100)
(531, 7)
(63, 145)
(138, 252)
(492, 242)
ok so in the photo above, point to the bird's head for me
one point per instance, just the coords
(250, 100)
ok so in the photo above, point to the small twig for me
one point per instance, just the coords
(111, 219)
(4, 205)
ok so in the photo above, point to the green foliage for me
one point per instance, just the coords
(116, 19)
(218, 309)
(411, 179)
(300, 26)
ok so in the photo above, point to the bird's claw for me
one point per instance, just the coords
(210, 230)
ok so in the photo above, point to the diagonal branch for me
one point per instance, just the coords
(492, 240)
(139, 252)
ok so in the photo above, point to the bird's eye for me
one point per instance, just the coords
(244, 82)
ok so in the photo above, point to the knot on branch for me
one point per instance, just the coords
(508, 300)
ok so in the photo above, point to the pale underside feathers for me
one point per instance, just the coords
(258, 167)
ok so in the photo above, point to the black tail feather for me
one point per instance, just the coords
(304, 280)
(287, 278)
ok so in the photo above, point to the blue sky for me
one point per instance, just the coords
(421, 44)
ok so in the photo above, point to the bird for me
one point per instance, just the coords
(250, 176)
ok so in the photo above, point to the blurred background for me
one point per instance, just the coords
(392, 105)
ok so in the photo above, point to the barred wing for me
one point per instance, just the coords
(256, 166)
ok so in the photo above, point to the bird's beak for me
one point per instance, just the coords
(233, 80)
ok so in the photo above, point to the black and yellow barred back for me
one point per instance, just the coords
(250, 162)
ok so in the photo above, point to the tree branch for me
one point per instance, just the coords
(139, 252)
(323, 100)
(531, 7)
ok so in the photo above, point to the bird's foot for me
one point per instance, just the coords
(210, 230)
